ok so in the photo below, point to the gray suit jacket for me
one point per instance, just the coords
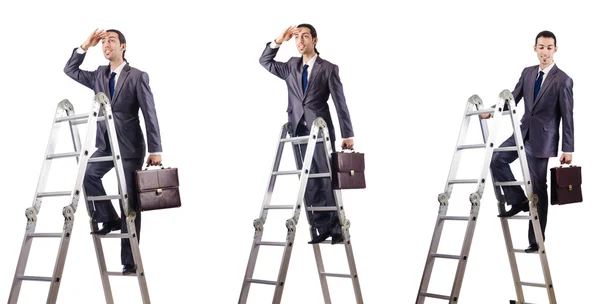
(324, 80)
(132, 93)
(543, 115)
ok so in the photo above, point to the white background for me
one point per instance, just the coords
(407, 71)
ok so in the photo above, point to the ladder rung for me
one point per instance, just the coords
(299, 139)
(100, 159)
(280, 207)
(77, 119)
(262, 282)
(446, 256)
(320, 209)
(475, 146)
(519, 217)
(455, 218)
(486, 111)
(31, 278)
(62, 155)
(57, 193)
(463, 181)
(337, 275)
(533, 284)
(45, 235)
(505, 149)
(514, 183)
(104, 197)
(119, 274)
(297, 172)
(113, 236)
(436, 296)
(271, 243)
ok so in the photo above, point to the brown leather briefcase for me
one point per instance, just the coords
(348, 170)
(565, 185)
(157, 189)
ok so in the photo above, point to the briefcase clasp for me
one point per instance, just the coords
(570, 187)
(351, 172)
(158, 191)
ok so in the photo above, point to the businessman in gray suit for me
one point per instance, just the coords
(548, 95)
(129, 92)
(310, 81)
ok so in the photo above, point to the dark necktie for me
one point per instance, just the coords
(111, 84)
(304, 78)
(538, 85)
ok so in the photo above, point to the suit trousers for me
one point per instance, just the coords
(538, 169)
(319, 191)
(104, 211)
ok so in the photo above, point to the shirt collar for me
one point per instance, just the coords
(547, 69)
(120, 68)
(312, 60)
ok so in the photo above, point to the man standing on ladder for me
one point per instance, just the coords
(129, 92)
(548, 95)
(310, 80)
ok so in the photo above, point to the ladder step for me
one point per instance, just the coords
(463, 181)
(505, 149)
(533, 284)
(476, 146)
(57, 193)
(44, 235)
(262, 282)
(62, 155)
(298, 172)
(100, 159)
(280, 207)
(337, 275)
(321, 209)
(486, 111)
(77, 119)
(299, 139)
(436, 296)
(119, 274)
(271, 243)
(104, 197)
(446, 256)
(31, 278)
(514, 183)
(519, 217)
(112, 236)
(455, 218)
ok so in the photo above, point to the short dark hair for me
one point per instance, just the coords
(121, 39)
(313, 32)
(545, 34)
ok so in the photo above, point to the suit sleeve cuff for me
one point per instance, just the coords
(274, 45)
(80, 50)
(154, 153)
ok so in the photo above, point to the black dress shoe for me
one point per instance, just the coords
(514, 210)
(336, 238)
(532, 248)
(320, 238)
(129, 269)
(109, 226)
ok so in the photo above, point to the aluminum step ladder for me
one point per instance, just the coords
(318, 132)
(504, 106)
(66, 114)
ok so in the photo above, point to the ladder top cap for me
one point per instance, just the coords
(506, 95)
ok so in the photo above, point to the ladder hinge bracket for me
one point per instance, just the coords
(443, 199)
(290, 224)
(258, 224)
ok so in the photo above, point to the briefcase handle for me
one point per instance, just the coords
(145, 166)
(351, 150)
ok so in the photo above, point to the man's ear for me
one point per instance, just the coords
(124, 46)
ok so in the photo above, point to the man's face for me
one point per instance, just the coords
(304, 41)
(112, 47)
(545, 50)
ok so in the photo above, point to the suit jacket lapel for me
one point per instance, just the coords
(122, 79)
(546, 84)
(313, 74)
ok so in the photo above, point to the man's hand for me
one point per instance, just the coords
(347, 144)
(154, 160)
(566, 158)
(93, 39)
(287, 34)
(485, 115)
